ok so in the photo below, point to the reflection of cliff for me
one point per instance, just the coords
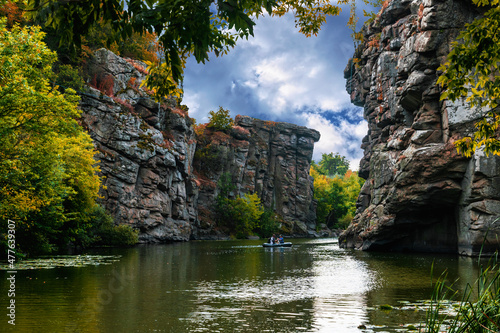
(419, 195)
(146, 152)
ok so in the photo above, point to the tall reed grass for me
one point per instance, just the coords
(479, 308)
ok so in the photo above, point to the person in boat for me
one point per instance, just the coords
(281, 240)
(272, 239)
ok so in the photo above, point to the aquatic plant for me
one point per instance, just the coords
(479, 308)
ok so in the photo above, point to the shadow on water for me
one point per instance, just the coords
(230, 286)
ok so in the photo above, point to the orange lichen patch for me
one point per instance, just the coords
(421, 11)
(106, 152)
(179, 112)
(123, 103)
(241, 130)
(167, 145)
(240, 143)
(168, 135)
(202, 181)
(374, 42)
(269, 123)
(220, 138)
(140, 68)
(132, 82)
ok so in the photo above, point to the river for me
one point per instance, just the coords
(229, 286)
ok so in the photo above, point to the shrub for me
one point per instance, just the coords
(220, 120)
(105, 233)
(268, 224)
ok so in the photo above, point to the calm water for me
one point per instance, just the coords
(229, 286)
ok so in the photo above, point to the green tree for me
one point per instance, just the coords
(241, 216)
(184, 27)
(336, 197)
(48, 176)
(472, 72)
(247, 212)
(220, 120)
(331, 165)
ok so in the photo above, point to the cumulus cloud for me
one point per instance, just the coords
(281, 75)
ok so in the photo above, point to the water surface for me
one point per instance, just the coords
(230, 286)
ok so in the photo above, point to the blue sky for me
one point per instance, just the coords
(281, 75)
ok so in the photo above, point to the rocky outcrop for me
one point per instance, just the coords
(420, 195)
(269, 158)
(146, 151)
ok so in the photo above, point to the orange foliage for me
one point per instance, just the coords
(12, 11)
(374, 42)
(241, 130)
(200, 129)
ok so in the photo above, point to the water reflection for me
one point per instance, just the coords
(231, 286)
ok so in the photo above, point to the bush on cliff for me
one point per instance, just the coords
(220, 120)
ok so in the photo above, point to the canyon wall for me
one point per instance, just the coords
(146, 152)
(420, 195)
(269, 158)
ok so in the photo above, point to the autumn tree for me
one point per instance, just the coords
(336, 193)
(472, 72)
(48, 176)
(220, 120)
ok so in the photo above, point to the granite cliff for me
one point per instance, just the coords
(269, 158)
(420, 195)
(147, 149)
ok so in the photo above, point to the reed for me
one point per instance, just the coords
(479, 308)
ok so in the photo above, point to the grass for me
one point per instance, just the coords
(479, 308)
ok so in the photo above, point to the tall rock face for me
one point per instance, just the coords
(146, 152)
(269, 158)
(420, 195)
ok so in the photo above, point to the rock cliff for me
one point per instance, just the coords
(146, 152)
(420, 195)
(269, 158)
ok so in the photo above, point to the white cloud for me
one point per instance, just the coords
(281, 75)
(344, 138)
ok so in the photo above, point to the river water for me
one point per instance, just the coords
(229, 286)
